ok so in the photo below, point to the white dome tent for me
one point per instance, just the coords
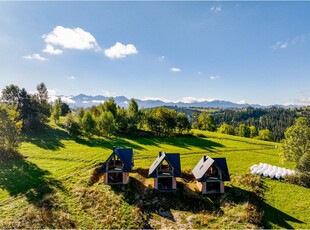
(271, 171)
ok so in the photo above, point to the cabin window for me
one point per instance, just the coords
(115, 177)
(165, 167)
(115, 163)
(213, 172)
(165, 183)
(213, 187)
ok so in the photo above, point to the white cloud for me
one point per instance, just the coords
(303, 101)
(97, 101)
(120, 50)
(174, 69)
(35, 57)
(71, 78)
(52, 96)
(162, 58)
(216, 9)
(241, 102)
(214, 77)
(51, 50)
(107, 93)
(290, 42)
(193, 99)
(156, 99)
(280, 45)
(68, 38)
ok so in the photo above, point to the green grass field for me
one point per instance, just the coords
(51, 187)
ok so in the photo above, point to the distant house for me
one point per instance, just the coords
(211, 174)
(118, 166)
(165, 169)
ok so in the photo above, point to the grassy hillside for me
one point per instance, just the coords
(55, 186)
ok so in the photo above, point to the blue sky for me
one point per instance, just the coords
(254, 52)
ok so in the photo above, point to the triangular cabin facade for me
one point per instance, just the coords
(118, 166)
(165, 169)
(211, 174)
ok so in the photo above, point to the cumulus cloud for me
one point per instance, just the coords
(51, 50)
(120, 50)
(216, 9)
(52, 96)
(35, 57)
(214, 77)
(174, 69)
(69, 38)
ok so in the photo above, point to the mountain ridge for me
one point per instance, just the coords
(83, 100)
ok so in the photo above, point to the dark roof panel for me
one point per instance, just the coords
(126, 156)
(172, 158)
(204, 164)
(222, 164)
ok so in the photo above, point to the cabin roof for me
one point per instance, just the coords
(125, 155)
(172, 158)
(205, 163)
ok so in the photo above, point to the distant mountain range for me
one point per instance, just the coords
(85, 101)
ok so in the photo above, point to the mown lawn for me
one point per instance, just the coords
(60, 167)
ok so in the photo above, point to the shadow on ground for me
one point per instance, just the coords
(271, 215)
(21, 177)
(185, 199)
(48, 138)
(185, 142)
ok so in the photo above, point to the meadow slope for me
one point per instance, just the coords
(54, 185)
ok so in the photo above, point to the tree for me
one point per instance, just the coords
(110, 105)
(44, 107)
(65, 109)
(11, 95)
(244, 130)
(72, 126)
(133, 115)
(10, 130)
(183, 123)
(206, 122)
(297, 140)
(253, 131)
(227, 129)
(121, 120)
(106, 124)
(88, 124)
(56, 111)
(265, 135)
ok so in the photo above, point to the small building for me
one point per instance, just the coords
(165, 169)
(211, 174)
(118, 166)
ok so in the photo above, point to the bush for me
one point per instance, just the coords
(72, 126)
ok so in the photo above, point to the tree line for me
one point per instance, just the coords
(263, 123)
(108, 119)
